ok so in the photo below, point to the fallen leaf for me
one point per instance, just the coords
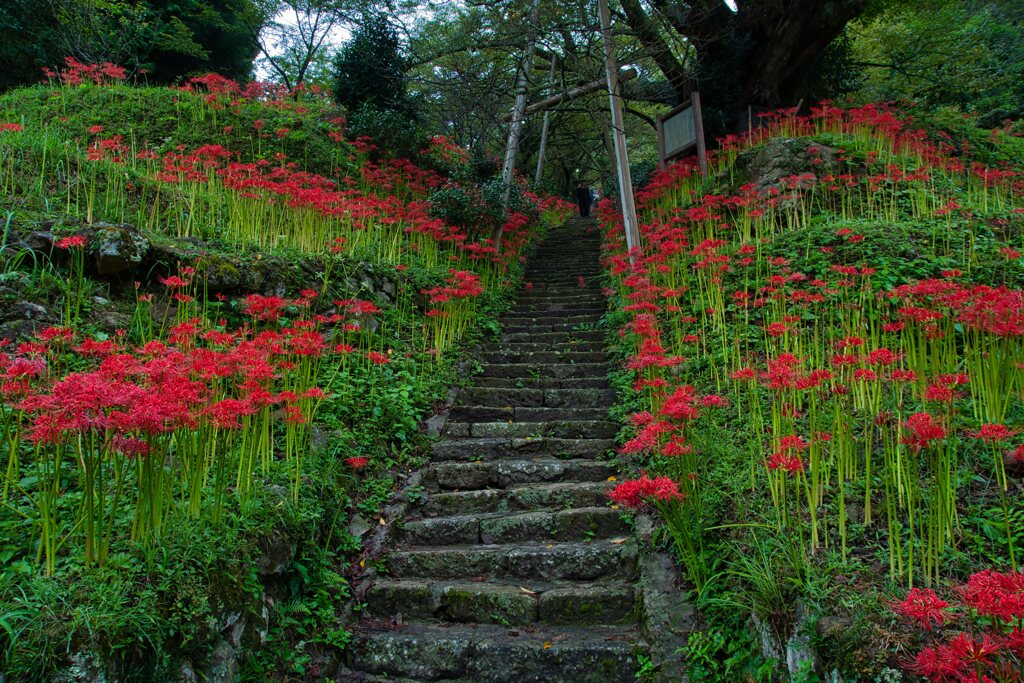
(382, 522)
(612, 479)
(618, 541)
(527, 591)
(547, 644)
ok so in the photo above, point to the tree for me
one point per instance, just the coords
(292, 34)
(945, 52)
(370, 68)
(763, 52)
(28, 42)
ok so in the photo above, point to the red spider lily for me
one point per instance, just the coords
(921, 430)
(924, 607)
(72, 242)
(635, 493)
(991, 433)
(377, 358)
(995, 594)
(357, 463)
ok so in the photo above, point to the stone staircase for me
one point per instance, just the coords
(514, 567)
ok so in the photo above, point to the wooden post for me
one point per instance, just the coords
(518, 109)
(629, 219)
(544, 128)
(698, 130)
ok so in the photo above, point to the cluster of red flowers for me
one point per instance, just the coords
(993, 650)
(75, 73)
(635, 493)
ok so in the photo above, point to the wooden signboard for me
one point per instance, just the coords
(681, 131)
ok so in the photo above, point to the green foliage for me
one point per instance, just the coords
(955, 52)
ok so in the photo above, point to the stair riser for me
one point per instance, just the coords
(537, 398)
(505, 357)
(527, 370)
(584, 494)
(542, 383)
(452, 476)
(489, 449)
(561, 430)
(523, 414)
(580, 524)
(504, 605)
(585, 562)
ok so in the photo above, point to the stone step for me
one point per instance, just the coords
(563, 429)
(552, 370)
(526, 313)
(564, 494)
(532, 346)
(540, 319)
(498, 447)
(550, 327)
(508, 604)
(545, 383)
(505, 356)
(535, 398)
(540, 562)
(553, 337)
(557, 305)
(566, 298)
(481, 413)
(499, 474)
(497, 654)
(542, 526)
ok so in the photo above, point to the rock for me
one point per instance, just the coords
(276, 556)
(223, 664)
(359, 527)
(26, 310)
(766, 166)
(40, 241)
(220, 273)
(117, 247)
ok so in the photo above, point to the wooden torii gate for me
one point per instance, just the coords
(519, 113)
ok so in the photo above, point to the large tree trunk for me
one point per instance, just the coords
(761, 55)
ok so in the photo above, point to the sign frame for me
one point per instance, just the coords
(665, 155)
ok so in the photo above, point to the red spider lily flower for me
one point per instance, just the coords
(357, 463)
(647, 438)
(265, 308)
(377, 358)
(676, 446)
(11, 128)
(1009, 253)
(785, 461)
(939, 663)
(924, 607)
(743, 374)
(72, 242)
(922, 429)
(635, 493)
(994, 594)
(991, 433)
(174, 282)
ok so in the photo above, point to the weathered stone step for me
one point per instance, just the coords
(466, 476)
(561, 347)
(481, 413)
(541, 383)
(565, 297)
(542, 526)
(535, 398)
(552, 307)
(546, 562)
(563, 429)
(563, 494)
(509, 604)
(541, 319)
(553, 337)
(549, 327)
(527, 313)
(553, 370)
(499, 447)
(497, 654)
(505, 356)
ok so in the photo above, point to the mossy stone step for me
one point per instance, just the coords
(545, 526)
(519, 313)
(550, 370)
(541, 383)
(466, 476)
(536, 398)
(538, 414)
(525, 497)
(564, 429)
(539, 562)
(506, 355)
(502, 447)
(498, 654)
(552, 337)
(510, 604)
